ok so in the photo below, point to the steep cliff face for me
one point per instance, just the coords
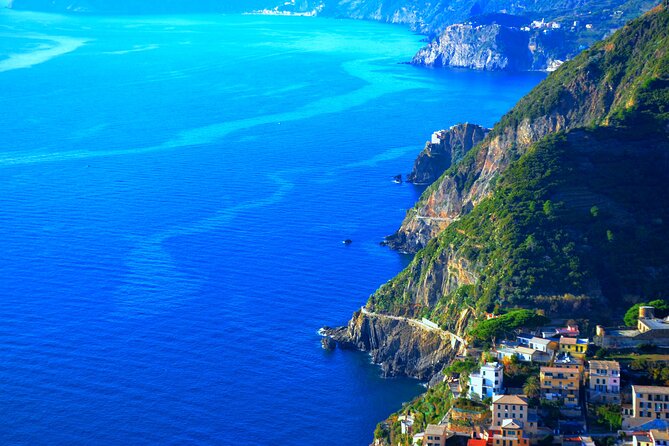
(563, 206)
(585, 91)
(399, 347)
(402, 347)
(485, 47)
(449, 148)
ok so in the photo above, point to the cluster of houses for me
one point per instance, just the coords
(488, 413)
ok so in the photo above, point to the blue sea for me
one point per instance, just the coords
(174, 192)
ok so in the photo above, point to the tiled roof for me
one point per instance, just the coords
(608, 365)
(435, 429)
(510, 399)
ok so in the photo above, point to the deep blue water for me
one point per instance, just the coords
(173, 197)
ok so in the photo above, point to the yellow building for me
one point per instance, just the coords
(513, 407)
(649, 403)
(511, 434)
(560, 384)
(659, 437)
(641, 439)
(574, 346)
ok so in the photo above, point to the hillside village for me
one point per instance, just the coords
(551, 385)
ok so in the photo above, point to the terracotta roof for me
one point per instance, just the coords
(608, 365)
(510, 399)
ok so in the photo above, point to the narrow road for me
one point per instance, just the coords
(421, 217)
(445, 333)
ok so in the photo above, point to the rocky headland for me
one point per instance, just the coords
(446, 148)
(557, 208)
(485, 47)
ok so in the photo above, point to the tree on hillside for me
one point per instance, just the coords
(532, 387)
(632, 315)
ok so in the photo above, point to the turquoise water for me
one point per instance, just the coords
(174, 195)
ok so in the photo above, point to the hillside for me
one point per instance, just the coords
(563, 206)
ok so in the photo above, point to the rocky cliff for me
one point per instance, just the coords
(451, 147)
(585, 91)
(487, 34)
(398, 347)
(484, 47)
(562, 206)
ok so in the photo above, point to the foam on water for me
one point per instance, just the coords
(57, 46)
(366, 70)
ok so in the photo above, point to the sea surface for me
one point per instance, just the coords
(174, 192)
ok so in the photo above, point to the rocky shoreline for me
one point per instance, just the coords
(398, 347)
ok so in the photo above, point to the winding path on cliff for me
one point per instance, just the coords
(452, 337)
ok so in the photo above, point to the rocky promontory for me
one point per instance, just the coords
(446, 147)
(398, 346)
(483, 47)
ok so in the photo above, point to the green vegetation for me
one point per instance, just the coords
(632, 315)
(576, 218)
(532, 387)
(609, 416)
(505, 324)
(657, 372)
(472, 406)
(428, 408)
(626, 75)
(516, 373)
(466, 366)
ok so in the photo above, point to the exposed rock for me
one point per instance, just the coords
(451, 147)
(328, 343)
(397, 346)
(484, 47)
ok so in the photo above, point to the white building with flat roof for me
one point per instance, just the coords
(487, 382)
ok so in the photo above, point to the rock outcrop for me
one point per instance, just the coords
(398, 347)
(447, 147)
(483, 47)
(560, 206)
(580, 93)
